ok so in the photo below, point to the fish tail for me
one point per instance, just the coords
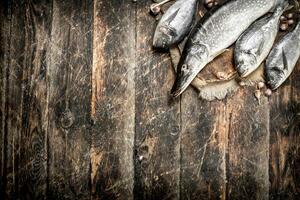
(281, 7)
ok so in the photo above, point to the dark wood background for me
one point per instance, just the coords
(85, 113)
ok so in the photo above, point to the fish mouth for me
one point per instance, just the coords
(181, 83)
(160, 41)
(273, 84)
(163, 39)
(242, 71)
(245, 74)
(274, 79)
(160, 44)
(177, 91)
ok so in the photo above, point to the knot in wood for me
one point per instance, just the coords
(67, 119)
(175, 130)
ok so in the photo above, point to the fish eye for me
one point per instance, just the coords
(184, 67)
(164, 30)
(168, 31)
(250, 57)
(252, 62)
(277, 69)
(172, 33)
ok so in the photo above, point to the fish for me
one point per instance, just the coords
(283, 58)
(175, 24)
(254, 45)
(211, 37)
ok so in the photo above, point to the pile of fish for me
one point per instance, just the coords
(252, 25)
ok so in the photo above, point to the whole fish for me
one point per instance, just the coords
(283, 58)
(175, 24)
(254, 45)
(210, 38)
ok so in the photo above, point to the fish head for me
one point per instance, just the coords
(164, 37)
(192, 61)
(275, 76)
(246, 63)
(277, 68)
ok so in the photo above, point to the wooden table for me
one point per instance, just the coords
(85, 113)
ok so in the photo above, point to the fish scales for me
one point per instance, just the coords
(217, 33)
(220, 25)
(254, 45)
(175, 24)
(283, 58)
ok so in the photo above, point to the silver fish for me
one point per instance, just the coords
(254, 45)
(175, 24)
(283, 58)
(210, 38)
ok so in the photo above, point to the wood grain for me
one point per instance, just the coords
(33, 139)
(203, 146)
(25, 100)
(15, 98)
(85, 113)
(113, 108)
(5, 33)
(284, 143)
(69, 99)
(157, 121)
(248, 146)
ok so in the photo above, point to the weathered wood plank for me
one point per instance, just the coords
(25, 101)
(113, 108)
(33, 140)
(15, 94)
(294, 130)
(248, 146)
(188, 148)
(69, 100)
(203, 147)
(157, 122)
(284, 144)
(5, 15)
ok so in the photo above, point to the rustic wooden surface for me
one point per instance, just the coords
(85, 113)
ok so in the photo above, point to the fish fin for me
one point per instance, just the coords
(172, 17)
(221, 52)
(260, 47)
(284, 6)
(284, 59)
